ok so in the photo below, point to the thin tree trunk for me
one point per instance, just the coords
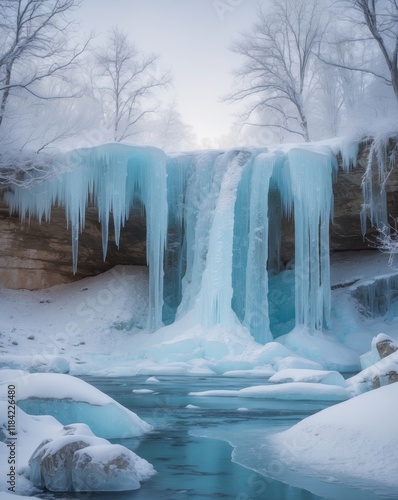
(6, 93)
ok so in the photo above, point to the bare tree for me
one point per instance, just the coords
(376, 21)
(171, 132)
(126, 83)
(277, 75)
(34, 38)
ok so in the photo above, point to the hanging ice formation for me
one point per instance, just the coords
(219, 216)
(111, 176)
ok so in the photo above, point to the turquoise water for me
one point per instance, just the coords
(191, 466)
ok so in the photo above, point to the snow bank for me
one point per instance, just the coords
(321, 348)
(355, 441)
(70, 399)
(43, 436)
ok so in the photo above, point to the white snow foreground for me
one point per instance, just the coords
(97, 326)
(68, 457)
(355, 442)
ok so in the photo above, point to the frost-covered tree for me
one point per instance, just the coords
(171, 132)
(125, 84)
(39, 57)
(35, 47)
(371, 22)
(276, 77)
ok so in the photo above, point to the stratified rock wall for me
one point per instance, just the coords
(34, 255)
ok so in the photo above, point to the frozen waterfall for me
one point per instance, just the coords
(213, 226)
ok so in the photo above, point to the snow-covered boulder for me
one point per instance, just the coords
(385, 345)
(86, 463)
(108, 468)
(377, 371)
(50, 464)
(381, 347)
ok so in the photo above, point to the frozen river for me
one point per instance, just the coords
(190, 447)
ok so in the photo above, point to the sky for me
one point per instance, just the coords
(192, 38)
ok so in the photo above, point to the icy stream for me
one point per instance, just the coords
(191, 466)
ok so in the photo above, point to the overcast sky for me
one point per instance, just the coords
(192, 37)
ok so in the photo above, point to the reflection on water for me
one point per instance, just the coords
(191, 466)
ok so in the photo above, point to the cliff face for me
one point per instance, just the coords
(345, 232)
(34, 256)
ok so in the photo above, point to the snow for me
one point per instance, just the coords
(87, 463)
(112, 341)
(35, 430)
(73, 400)
(313, 376)
(363, 381)
(96, 468)
(355, 441)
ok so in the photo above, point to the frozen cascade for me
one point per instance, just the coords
(213, 304)
(111, 176)
(220, 213)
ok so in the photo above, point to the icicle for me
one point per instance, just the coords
(111, 175)
(374, 184)
(311, 181)
(256, 301)
(349, 154)
(179, 169)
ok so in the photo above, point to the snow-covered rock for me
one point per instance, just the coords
(86, 463)
(382, 346)
(385, 345)
(108, 468)
(383, 372)
(50, 464)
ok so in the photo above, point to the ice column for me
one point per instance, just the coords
(311, 183)
(213, 304)
(256, 317)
